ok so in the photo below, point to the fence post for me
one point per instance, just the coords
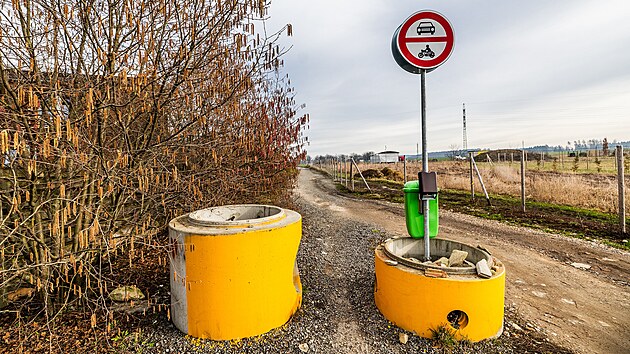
(405, 169)
(472, 179)
(351, 175)
(332, 169)
(345, 166)
(525, 159)
(523, 180)
(341, 171)
(620, 185)
(344, 176)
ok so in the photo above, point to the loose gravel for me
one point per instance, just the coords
(338, 314)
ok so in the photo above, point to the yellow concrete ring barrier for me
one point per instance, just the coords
(470, 306)
(233, 270)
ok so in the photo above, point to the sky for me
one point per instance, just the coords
(537, 71)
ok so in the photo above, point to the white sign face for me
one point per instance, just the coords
(425, 40)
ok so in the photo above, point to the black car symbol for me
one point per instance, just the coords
(426, 52)
(426, 27)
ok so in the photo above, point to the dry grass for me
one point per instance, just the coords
(591, 191)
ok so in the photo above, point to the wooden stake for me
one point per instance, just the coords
(352, 176)
(405, 169)
(523, 180)
(345, 166)
(621, 188)
(472, 179)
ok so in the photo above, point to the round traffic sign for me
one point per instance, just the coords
(423, 41)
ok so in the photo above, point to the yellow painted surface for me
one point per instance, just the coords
(418, 303)
(243, 284)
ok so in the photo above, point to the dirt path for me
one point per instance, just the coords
(585, 310)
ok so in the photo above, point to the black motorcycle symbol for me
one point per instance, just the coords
(427, 52)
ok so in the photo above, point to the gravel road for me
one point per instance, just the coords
(338, 314)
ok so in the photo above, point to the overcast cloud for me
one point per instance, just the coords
(541, 71)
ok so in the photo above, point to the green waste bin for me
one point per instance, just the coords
(415, 220)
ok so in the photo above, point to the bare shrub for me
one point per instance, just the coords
(371, 173)
(117, 116)
(392, 174)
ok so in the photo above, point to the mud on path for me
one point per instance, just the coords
(587, 311)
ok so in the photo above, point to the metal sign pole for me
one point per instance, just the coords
(435, 34)
(425, 161)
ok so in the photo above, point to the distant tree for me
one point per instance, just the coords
(367, 155)
(576, 162)
(605, 146)
(598, 163)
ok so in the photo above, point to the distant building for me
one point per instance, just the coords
(385, 157)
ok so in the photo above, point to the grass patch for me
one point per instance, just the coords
(444, 336)
(562, 219)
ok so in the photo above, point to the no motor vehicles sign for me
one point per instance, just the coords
(423, 41)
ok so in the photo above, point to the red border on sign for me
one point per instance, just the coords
(401, 40)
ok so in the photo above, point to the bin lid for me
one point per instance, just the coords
(412, 187)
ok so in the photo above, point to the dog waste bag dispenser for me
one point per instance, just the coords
(425, 188)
